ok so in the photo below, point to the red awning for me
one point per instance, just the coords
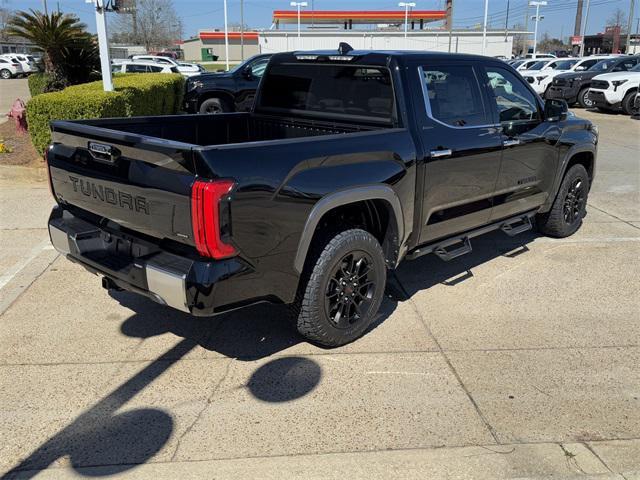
(356, 16)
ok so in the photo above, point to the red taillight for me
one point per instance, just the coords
(205, 217)
(46, 164)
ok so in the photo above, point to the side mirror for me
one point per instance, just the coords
(555, 110)
(246, 71)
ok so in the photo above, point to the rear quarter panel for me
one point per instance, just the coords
(278, 183)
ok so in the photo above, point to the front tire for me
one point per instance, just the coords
(628, 103)
(214, 105)
(5, 74)
(569, 207)
(583, 98)
(344, 290)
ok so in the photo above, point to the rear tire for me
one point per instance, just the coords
(344, 289)
(627, 103)
(5, 74)
(214, 105)
(583, 100)
(569, 207)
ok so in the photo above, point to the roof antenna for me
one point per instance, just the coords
(344, 48)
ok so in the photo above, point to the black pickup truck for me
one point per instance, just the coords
(232, 91)
(349, 162)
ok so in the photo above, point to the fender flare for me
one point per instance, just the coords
(345, 197)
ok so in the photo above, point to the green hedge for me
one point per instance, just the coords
(37, 83)
(134, 95)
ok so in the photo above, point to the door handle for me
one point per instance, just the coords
(512, 142)
(441, 153)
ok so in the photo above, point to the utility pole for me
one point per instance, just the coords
(535, 33)
(506, 23)
(584, 29)
(226, 36)
(242, 30)
(101, 30)
(629, 25)
(450, 20)
(526, 29)
(484, 28)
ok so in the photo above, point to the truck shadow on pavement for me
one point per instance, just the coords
(118, 441)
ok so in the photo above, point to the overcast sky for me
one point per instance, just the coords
(207, 14)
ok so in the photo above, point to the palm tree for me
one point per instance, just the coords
(52, 34)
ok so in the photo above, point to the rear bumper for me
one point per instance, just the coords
(202, 288)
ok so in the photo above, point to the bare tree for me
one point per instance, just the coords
(618, 19)
(548, 44)
(153, 24)
(5, 15)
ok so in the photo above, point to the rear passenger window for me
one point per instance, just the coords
(154, 69)
(453, 96)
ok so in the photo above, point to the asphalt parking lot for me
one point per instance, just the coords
(521, 359)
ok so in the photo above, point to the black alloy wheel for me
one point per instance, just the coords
(350, 290)
(574, 201)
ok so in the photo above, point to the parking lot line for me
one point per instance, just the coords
(17, 267)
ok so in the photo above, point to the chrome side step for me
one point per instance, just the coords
(511, 226)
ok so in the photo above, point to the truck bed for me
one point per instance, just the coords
(210, 130)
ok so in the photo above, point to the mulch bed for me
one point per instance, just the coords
(22, 151)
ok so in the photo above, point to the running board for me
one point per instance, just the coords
(511, 226)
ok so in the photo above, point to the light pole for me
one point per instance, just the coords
(103, 46)
(226, 36)
(584, 29)
(407, 6)
(299, 5)
(535, 30)
(484, 28)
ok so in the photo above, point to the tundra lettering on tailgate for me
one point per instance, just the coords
(110, 195)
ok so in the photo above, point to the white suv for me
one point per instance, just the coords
(139, 66)
(10, 68)
(186, 69)
(28, 64)
(616, 90)
(541, 80)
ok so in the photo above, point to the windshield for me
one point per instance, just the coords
(537, 65)
(517, 64)
(565, 64)
(603, 65)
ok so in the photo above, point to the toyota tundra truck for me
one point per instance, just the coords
(347, 163)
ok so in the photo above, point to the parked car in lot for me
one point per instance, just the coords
(539, 56)
(10, 68)
(616, 90)
(348, 162)
(27, 62)
(521, 65)
(187, 69)
(135, 66)
(574, 86)
(541, 80)
(231, 91)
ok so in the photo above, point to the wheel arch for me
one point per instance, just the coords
(368, 196)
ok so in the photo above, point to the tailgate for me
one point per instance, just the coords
(142, 183)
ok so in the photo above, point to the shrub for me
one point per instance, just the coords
(134, 95)
(38, 83)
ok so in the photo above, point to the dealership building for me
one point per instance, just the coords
(384, 31)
